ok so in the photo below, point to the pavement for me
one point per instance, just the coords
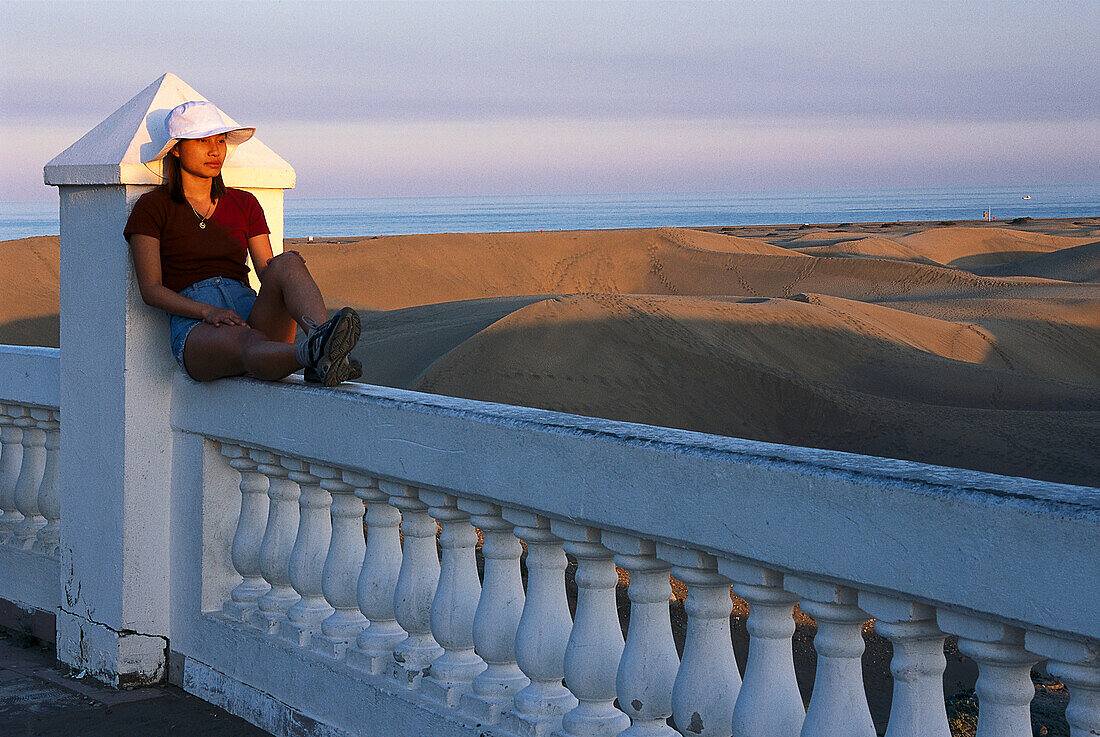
(39, 699)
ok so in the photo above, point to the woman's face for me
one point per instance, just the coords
(202, 157)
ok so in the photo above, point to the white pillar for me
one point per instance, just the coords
(647, 670)
(416, 583)
(116, 385)
(918, 708)
(1077, 665)
(596, 640)
(374, 591)
(307, 557)
(1004, 684)
(708, 682)
(277, 542)
(497, 617)
(455, 602)
(543, 631)
(11, 460)
(48, 537)
(838, 705)
(342, 566)
(249, 534)
(30, 477)
(769, 701)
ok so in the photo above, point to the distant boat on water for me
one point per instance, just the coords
(1027, 197)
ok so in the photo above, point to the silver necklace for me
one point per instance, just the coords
(202, 218)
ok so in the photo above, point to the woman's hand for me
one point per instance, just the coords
(218, 316)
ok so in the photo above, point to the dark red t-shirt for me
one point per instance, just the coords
(189, 253)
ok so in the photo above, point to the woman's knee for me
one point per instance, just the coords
(284, 267)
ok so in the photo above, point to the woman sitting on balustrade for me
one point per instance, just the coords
(189, 239)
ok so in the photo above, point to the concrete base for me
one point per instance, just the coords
(333, 648)
(112, 657)
(31, 580)
(373, 663)
(257, 678)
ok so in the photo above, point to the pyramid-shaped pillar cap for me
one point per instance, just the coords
(114, 151)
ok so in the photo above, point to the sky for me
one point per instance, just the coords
(378, 99)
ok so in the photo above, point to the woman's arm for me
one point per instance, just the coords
(146, 252)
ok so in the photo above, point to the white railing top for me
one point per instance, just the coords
(1016, 549)
(30, 375)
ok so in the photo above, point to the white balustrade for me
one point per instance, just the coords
(373, 649)
(11, 461)
(249, 535)
(707, 683)
(455, 602)
(838, 705)
(647, 670)
(769, 702)
(543, 631)
(33, 422)
(48, 537)
(307, 557)
(918, 664)
(596, 640)
(342, 566)
(497, 616)
(416, 584)
(1004, 684)
(277, 543)
(1077, 665)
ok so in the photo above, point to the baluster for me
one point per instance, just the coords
(918, 708)
(49, 493)
(11, 460)
(708, 682)
(416, 584)
(497, 616)
(279, 535)
(1077, 665)
(373, 650)
(596, 640)
(342, 566)
(838, 705)
(769, 702)
(248, 536)
(647, 670)
(1004, 684)
(307, 558)
(455, 602)
(33, 423)
(543, 631)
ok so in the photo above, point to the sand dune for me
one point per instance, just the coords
(968, 247)
(29, 287)
(872, 339)
(869, 247)
(1076, 264)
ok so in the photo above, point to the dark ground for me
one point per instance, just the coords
(37, 699)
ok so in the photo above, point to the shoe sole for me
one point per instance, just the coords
(345, 334)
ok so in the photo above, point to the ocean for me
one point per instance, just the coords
(481, 214)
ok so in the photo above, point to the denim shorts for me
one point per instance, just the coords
(219, 291)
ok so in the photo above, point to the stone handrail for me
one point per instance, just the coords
(30, 501)
(279, 477)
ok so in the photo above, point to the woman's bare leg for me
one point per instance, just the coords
(288, 298)
(215, 352)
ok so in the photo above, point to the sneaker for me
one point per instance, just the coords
(328, 345)
(353, 370)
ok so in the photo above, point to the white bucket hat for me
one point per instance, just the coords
(199, 119)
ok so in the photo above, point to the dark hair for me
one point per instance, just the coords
(173, 181)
